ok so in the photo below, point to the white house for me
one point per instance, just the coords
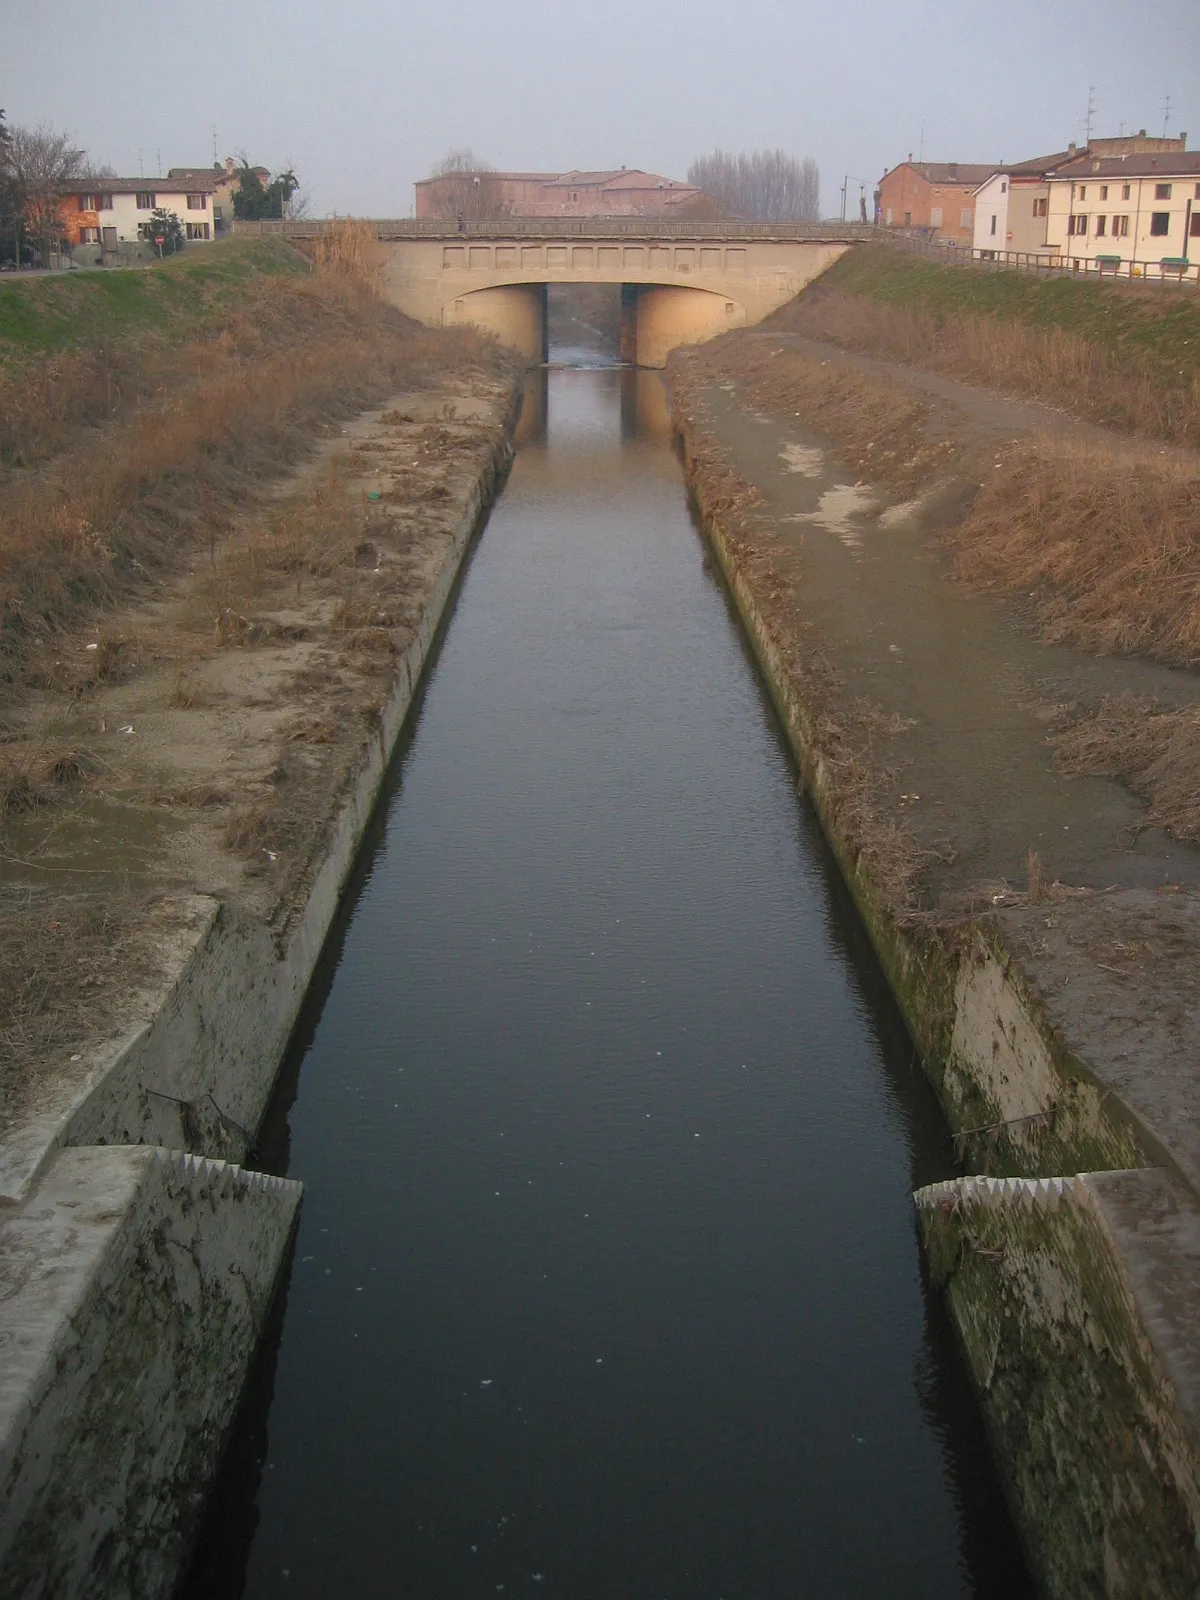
(1011, 206)
(116, 211)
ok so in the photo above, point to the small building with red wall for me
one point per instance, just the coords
(936, 198)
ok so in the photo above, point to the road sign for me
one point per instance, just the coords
(160, 239)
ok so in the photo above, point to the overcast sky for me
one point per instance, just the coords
(362, 97)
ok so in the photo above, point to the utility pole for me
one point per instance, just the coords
(845, 182)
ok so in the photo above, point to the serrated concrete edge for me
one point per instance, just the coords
(137, 1284)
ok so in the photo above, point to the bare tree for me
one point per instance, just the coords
(763, 186)
(471, 190)
(43, 165)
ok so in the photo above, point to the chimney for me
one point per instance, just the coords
(1141, 133)
(910, 158)
(1183, 141)
(1071, 148)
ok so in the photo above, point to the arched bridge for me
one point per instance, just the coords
(680, 282)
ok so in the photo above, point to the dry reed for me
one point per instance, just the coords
(1118, 387)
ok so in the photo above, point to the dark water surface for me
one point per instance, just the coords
(607, 1285)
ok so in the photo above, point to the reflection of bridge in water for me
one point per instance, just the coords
(680, 282)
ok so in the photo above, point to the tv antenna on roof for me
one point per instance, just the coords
(1166, 115)
(1091, 112)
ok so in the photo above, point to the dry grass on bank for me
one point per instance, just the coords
(99, 944)
(879, 426)
(1108, 548)
(234, 412)
(1156, 753)
(1115, 384)
(1106, 544)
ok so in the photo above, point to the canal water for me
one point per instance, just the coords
(607, 1285)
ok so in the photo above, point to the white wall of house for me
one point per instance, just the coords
(127, 216)
(1127, 217)
(991, 213)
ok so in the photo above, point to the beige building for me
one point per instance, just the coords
(224, 180)
(1136, 208)
(626, 192)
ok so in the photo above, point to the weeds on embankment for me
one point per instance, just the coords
(230, 408)
(1124, 357)
(1107, 545)
(1155, 752)
(1105, 541)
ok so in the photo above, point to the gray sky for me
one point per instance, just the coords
(362, 97)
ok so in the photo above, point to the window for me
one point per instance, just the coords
(887, 220)
(964, 217)
(935, 216)
(145, 200)
(197, 230)
(1041, 206)
(1194, 230)
(992, 230)
(89, 235)
(1104, 191)
(1197, 196)
(1124, 191)
(1099, 227)
(1162, 191)
(95, 202)
(908, 219)
(574, 194)
(1083, 191)
(1003, 188)
(197, 202)
(1077, 226)
(1120, 227)
(1160, 223)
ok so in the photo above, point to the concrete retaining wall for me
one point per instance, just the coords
(134, 1280)
(1096, 1421)
(1076, 1299)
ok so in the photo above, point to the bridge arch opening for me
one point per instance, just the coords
(655, 317)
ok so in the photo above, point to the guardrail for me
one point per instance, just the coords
(565, 227)
(1169, 270)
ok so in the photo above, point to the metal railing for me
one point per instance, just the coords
(573, 227)
(1169, 270)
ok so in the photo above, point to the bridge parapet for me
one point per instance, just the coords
(646, 228)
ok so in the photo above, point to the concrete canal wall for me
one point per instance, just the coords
(1074, 1288)
(134, 1273)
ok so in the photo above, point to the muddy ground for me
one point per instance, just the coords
(200, 739)
(945, 713)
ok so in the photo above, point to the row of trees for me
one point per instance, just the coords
(36, 165)
(759, 186)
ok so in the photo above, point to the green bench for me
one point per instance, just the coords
(1108, 264)
(1179, 265)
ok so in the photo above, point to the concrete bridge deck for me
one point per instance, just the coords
(681, 281)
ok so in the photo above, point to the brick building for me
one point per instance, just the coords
(933, 197)
(627, 192)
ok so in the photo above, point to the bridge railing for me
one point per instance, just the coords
(565, 227)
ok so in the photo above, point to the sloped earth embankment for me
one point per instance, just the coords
(1037, 919)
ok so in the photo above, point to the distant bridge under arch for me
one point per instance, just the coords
(681, 283)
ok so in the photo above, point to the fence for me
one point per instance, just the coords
(1167, 270)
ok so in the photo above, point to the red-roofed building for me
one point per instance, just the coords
(627, 192)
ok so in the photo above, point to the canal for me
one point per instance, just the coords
(607, 1284)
